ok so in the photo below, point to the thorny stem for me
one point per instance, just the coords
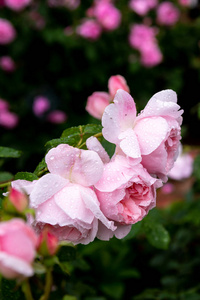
(48, 284)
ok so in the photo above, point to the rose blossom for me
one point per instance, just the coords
(3, 105)
(115, 83)
(64, 199)
(167, 13)
(140, 35)
(89, 29)
(183, 166)
(152, 137)
(107, 15)
(17, 5)
(8, 119)
(151, 55)
(57, 117)
(7, 32)
(17, 249)
(142, 7)
(40, 105)
(7, 64)
(126, 193)
(97, 102)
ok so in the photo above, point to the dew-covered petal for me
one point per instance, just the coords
(118, 116)
(163, 103)
(70, 200)
(151, 132)
(23, 185)
(94, 144)
(47, 186)
(91, 202)
(129, 144)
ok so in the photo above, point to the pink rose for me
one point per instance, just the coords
(142, 7)
(140, 35)
(183, 166)
(152, 137)
(89, 29)
(8, 119)
(64, 198)
(7, 32)
(107, 15)
(17, 5)
(17, 249)
(151, 55)
(96, 104)
(115, 83)
(126, 193)
(98, 101)
(7, 64)
(167, 13)
(40, 105)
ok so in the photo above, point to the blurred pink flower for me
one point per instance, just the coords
(115, 83)
(7, 64)
(17, 5)
(7, 32)
(57, 117)
(3, 105)
(40, 105)
(183, 166)
(17, 249)
(8, 119)
(89, 29)
(188, 3)
(141, 7)
(107, 15)
(151, 55)
(96, 104)
(140, 35)
(167, 188)
(167, 13)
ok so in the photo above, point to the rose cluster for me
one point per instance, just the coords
(86, 194)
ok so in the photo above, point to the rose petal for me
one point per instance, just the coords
(151, 132)
(94, 144)
(129, 144)
(118, 116)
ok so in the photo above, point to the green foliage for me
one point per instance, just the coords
(26, 176)
(9, 152)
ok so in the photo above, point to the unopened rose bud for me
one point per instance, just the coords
(117, 82)
(18, 199)
(47, 242)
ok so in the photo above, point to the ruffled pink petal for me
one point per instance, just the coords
(163, 103)
(129, 144)
(94, 144)
(118, 116)
(151, 132)
(12, 267)
(47, 186)
(122, 231)
(70, 201)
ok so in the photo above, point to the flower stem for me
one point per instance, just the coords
(5, 184)
(48, 284)
(27, 290)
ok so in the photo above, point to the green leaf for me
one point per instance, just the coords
(9, 152)
(26, 176)
(196, 169)
(40, 167)
(135, 229)
(75, 136)
(6, 176)
(156, 234)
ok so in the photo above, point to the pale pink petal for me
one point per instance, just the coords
(129, 144)
(104, 234)
(11, 266)
(92, 203)
(118, 116)
(94, 144)
(23, 185)
(73, 205)
(122, 231)
(151, 132)
(163, 103)
(47, 186)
